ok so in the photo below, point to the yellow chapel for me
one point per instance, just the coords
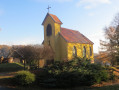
(66, 43)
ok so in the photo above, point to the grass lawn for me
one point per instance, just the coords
(7, 71)
(11, 67)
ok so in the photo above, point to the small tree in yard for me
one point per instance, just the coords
(33, 53)
(43, 52)
(5, 50)
(111, 45)
(23, 53)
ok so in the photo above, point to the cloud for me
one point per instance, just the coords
(52, 0)
(88, 4)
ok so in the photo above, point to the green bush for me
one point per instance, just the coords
(77, 72)
(24, 78)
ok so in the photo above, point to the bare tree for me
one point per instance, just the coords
(43, 52)
(33, 53)
(111, 45)
(4, 50)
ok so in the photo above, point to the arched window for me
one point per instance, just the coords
(49, 30)
(90, 51)
(84, 51)
(74, 51)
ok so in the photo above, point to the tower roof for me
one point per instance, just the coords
(74, 36)
(54, 18)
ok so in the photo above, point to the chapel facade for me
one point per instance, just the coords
(66, 43)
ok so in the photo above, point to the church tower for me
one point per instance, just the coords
(52, 27)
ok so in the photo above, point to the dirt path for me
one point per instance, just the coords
(7, 75)
(5, 83)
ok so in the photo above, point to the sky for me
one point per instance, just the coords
(20, 20)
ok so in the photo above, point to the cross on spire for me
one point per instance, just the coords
(48, 8)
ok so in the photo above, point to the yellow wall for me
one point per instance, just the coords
(57, 41)
(63, 48)
(54, 38)
(79, 48)
(51, 38)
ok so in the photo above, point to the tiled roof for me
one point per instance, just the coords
(54, 17)
(74, 36)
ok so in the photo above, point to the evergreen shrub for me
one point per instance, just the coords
(24, 78)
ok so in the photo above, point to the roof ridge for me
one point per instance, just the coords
(54, 18)
(71, 29)
(74, 36)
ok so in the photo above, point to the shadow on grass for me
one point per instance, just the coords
(7, 82)
(112, 87)
(11, 67)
